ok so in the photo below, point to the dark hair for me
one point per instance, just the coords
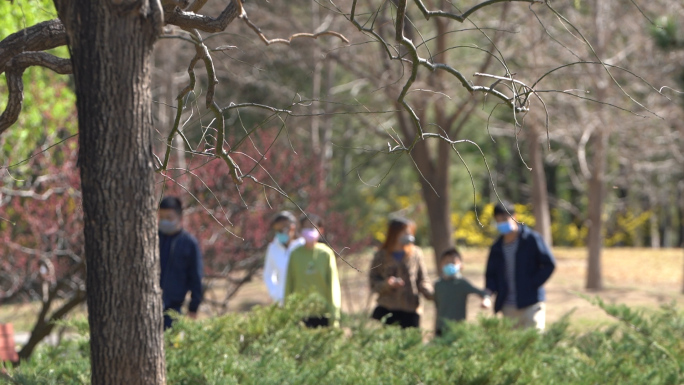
(310, 218)
(504, 208)
(284, 216)
(396, 226)
(451, 252)
(171, 203)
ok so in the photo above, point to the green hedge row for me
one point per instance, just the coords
(267, 346)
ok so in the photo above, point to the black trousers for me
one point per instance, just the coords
(404, 319)
(316, 322)
(168, 321)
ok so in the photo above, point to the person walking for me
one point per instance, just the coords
(181, 261)
(398, 276)
(519, 264)
(278, 254)
(452, 291)
(313, 270)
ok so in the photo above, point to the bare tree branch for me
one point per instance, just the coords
(463, 16)
(46, 323)
(191, 20)
(14, 70)
(40, 37)
(295, 36)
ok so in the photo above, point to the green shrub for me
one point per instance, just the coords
(268, 346)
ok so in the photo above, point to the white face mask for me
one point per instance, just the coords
(310, 235)
(168, 227)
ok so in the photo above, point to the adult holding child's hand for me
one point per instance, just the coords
(399, 276)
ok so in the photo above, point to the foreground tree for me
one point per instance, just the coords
(111, 44)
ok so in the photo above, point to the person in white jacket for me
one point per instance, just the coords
(278, 254)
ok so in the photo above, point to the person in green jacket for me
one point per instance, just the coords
(313, 269)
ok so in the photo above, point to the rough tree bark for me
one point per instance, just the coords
(111, 48)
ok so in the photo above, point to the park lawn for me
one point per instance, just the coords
(640, 278)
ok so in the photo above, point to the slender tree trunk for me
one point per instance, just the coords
(599, 145)
(540, 196)
(597, 188)
(655, 232)
(316, 84)
(111, 47)
(327, 129)
(680, 214)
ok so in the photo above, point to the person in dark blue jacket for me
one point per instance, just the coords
(519, 264)
(181, 261)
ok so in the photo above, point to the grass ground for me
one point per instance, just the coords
(642, 278)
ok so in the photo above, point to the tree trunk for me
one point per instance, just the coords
(440, 217)
(433, 176)
(597, 187)
(434, 184)
(680, 214)
(599, 145)
(111, 48)
(316, 85)
(540, 197)
(655, 233)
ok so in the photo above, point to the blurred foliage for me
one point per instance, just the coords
(469, 232)
(49, 109)
(269, 346)
(629, 226)
(478, 228)
(665, 32)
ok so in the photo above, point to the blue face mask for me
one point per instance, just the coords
(504, 227)
(283, 238)
(450, 269)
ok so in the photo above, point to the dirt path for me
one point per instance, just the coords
(636, 277)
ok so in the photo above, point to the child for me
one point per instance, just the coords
(313, 269)
(451, 291)
(278, 254)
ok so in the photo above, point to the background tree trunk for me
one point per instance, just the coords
(433, 175)
(597, 191)
(111, 47)
(435, 189)
(540, 196)
(599, 145)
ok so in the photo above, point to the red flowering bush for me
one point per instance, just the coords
(232, 221)
(41, 226)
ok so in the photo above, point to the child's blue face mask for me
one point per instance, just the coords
(504, 227)
(283, 238)
(450, 269)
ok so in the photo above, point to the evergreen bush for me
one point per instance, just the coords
(269, 346)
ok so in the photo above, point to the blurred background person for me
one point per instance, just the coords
(398, 275)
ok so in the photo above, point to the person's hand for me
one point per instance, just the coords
(486, 303)
(395, 282)
(192, 315)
